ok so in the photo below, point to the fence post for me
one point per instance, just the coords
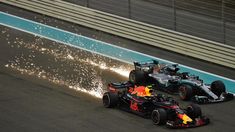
(174, 13)
(87, 4)
(223, 20)
(129, 8)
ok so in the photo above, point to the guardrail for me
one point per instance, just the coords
(180, 43)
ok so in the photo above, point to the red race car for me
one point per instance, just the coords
(146, 102)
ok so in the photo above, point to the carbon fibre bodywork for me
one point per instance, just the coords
(168, 78)
(162, 110)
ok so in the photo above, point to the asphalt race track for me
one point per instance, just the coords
(47, 86)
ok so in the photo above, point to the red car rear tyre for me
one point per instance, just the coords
(194, 111)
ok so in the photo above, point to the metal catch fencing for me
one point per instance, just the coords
(209, 19)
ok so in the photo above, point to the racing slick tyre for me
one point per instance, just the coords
(159, 116)
(136, 77)
(218, 87)
(194, 111)
(110, 99)
(185, 92)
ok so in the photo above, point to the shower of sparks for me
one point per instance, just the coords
(77, 77)
(102, 65)
(67, 54)
(96, 84)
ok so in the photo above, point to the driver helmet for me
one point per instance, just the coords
(148, 91)
(156, 68)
